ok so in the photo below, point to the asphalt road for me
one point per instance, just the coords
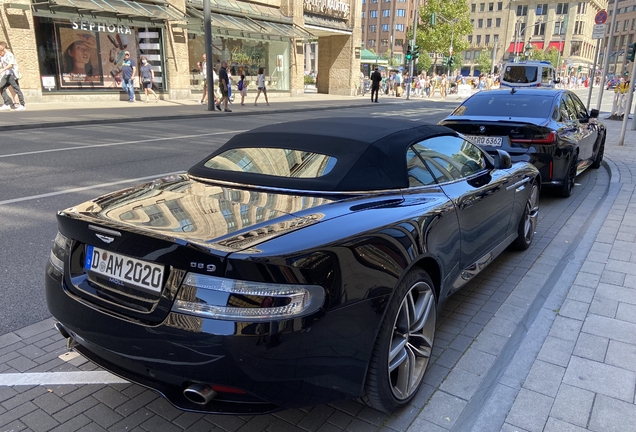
(43, 171)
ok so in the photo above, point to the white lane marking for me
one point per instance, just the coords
(59, 378)
(79, 189)
(82, 147)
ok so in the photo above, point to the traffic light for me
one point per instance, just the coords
(445, 61)
(631, 48)
(451, 62)
(409, 56)
(415, 52)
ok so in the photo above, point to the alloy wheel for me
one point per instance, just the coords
(531, 214)
(412, 340)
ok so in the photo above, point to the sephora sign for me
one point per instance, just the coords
(100, 26)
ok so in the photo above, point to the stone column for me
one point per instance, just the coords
(338, 67)
(294, 9)
(19, 34)
(176, 57)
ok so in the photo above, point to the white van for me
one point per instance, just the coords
(529, 73)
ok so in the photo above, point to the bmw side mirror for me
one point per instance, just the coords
(594, 113)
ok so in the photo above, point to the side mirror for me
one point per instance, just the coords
(594, 113)
(502, 159)
(557, 80)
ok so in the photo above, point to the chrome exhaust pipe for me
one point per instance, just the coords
(199, 394)
(60, 328)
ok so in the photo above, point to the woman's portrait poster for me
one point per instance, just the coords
(79, 59)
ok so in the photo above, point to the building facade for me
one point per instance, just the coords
(385, 24)
(510, 27)
(623, 35)
(70, 50)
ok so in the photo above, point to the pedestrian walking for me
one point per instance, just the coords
(224, 83)
(204, 72)
(242, 87)
(376, 79)
(147, 78)
(10, 77)
(128, 69)
(260, 84)
(398, 84)
(443, 86)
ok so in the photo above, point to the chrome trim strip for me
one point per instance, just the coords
(296, 191)
(519, 183)
(104, 230)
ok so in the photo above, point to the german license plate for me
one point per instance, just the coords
(486, 140)
(123, 270)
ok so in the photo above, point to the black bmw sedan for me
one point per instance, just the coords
(550, 128)
(298, 264)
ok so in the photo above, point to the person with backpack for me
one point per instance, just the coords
(242, 88)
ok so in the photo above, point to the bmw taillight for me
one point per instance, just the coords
(547, 138)
(59, 252)
(230, 299)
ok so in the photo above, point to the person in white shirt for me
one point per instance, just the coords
(9, 78)
(260, 84)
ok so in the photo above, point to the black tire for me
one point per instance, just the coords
(528, 221)
(402, 342)
(598, 160)
(568, 181)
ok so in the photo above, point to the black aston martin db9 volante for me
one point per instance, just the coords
(550, 128)
(299, 263)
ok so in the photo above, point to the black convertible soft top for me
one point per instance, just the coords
(370, 152)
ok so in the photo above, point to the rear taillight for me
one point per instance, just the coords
(230, 299)
(59, 252)
(549, 138)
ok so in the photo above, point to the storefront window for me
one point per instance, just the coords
(80, 54)
(244, 56)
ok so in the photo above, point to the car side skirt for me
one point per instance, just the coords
(468, 273)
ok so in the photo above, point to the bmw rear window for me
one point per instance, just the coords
(504, 104)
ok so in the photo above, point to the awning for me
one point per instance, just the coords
(538, 45)
(243, 10)
(322, 26)
(367, 56)
(120, 9)
(558, 45)
(244, 27)
(512, 47)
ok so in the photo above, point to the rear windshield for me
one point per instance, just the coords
(273, 162)
(504, 104)
(520, 74)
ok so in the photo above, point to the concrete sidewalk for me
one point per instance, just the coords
(41, 115)
(584, 374)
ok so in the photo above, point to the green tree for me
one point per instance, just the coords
(484, 62)
(536, 53)
(437, 38)
(389, 57)
(552, 55)
(424, 62)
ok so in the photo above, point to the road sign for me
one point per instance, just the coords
(599, 31)
(601, 17)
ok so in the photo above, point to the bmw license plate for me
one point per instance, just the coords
(486, 140)
(123, 270)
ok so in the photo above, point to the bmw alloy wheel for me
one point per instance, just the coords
(412, 340)
(531, 214)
